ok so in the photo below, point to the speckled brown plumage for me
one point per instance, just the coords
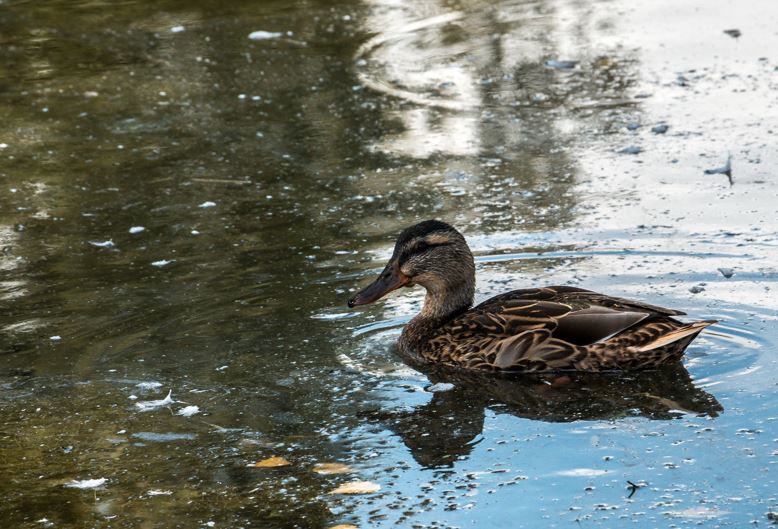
(536, 330)
(533, 330)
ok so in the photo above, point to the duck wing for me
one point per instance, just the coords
(509, 316)
(540, 329)
(579, 298)
(500, 334)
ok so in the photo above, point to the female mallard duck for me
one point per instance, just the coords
(532, 330)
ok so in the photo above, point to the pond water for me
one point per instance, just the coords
(191, 191)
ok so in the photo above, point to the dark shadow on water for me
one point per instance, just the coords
(450, 424)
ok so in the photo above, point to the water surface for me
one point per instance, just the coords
(185, 211)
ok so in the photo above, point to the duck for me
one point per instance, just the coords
(535, 330)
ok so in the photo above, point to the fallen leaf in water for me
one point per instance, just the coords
(331, 468)
(344, 526)
(357, 487)
(271, 462)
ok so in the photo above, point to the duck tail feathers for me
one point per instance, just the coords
(689, 331)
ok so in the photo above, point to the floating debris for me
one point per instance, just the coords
(137, 229)
(86, 483)
(162, 262)
(188, 411)
(163, 437)
(157, 492)
(148, 405)
(148, 385)
(581, 472)
(561, 65)
(734, 33)
(332, 468)
(357, 487)
(633, 488)
(440, 387)
(660, 128)
(727, 272)
(696, 513)
(344, 526)
(177, 29)
(271, 462)
(725, 169)
(102, 244)
(207, 204)
(632, 149)
(265, 35)
(55, 338)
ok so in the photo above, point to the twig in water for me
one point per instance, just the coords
(633, 488)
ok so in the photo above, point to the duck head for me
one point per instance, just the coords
(434, 255)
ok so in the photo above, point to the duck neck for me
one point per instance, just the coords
(440, 305)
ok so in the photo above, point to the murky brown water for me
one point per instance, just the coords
(186, 209)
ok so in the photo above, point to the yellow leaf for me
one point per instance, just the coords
(271, 462)
(344, 526)
(331, 468)
(357, 487)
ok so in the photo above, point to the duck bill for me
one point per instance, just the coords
(390, 279)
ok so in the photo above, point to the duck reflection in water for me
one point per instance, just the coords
(450, 424)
